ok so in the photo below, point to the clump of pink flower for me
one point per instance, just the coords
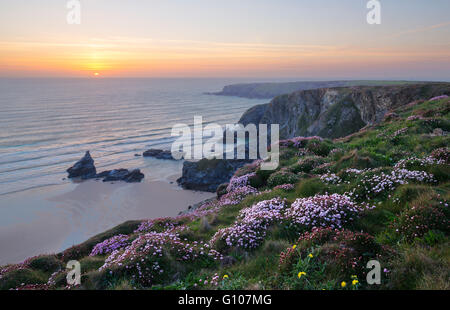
(110, 245)
(252, 223)
(241, 181)
(323, 211)
(415, 161)
(237, 195)
(441, 155)
(394, 135)
(144, 258)
(286, 187)
(330, 178)
(418, 220)
(439, 98)
(250, 228)
(164, 223)
(399, 132)
(372, 185)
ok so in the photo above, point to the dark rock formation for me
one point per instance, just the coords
(135, 175)
(337, 112)
(221, 190)
(159, 154)
(208, 174)
(84, 168)
(254, 114)
(122, 175)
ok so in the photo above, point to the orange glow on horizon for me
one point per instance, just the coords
(138, 57)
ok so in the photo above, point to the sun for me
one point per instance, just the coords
(96, 74)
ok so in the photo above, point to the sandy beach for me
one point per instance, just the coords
(50, 220)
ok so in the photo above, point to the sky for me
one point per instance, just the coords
(302, 39)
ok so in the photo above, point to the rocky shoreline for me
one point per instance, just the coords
(159, 154)
(380, 194)
(325, 112)
(207, 174)
(84, 169)
(204, 175)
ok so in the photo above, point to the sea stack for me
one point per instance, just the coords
(84, 168)
(159, 154)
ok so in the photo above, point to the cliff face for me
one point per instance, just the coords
(270, 90)
(337, 112)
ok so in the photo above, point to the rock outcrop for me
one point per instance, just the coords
(84, 168)
(121, 175)
(207, 174)
(337, 112)
(159, 154)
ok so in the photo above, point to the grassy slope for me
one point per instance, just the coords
(411, 262)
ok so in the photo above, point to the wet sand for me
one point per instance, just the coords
(51, 220)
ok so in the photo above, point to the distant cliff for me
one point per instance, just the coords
(271, 90)
(337, 112)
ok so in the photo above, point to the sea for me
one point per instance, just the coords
(47, 124)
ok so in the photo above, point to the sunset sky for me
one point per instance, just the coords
(308, 39)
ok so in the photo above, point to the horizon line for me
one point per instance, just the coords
(294, 79)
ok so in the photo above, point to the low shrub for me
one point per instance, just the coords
(19, 277)
(319, 147)
(419, 267)
(345, 252)
(221, 190)
(441, 154)
(307, 163)
(282, 177)
(46, 263)
(90, 263)
(416, 221)
(310, 187)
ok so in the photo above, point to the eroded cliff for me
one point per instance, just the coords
(337, 112)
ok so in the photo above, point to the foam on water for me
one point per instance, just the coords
(47, 124)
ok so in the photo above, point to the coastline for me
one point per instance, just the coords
(68, 215)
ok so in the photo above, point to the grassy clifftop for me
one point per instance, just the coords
(270, 90)
(332, 205)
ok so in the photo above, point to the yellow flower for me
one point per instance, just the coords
(310, 255)
(354, 277)
(225, 276)
(354, 282)
(294, 246)
(301, 273)
(343, 284)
